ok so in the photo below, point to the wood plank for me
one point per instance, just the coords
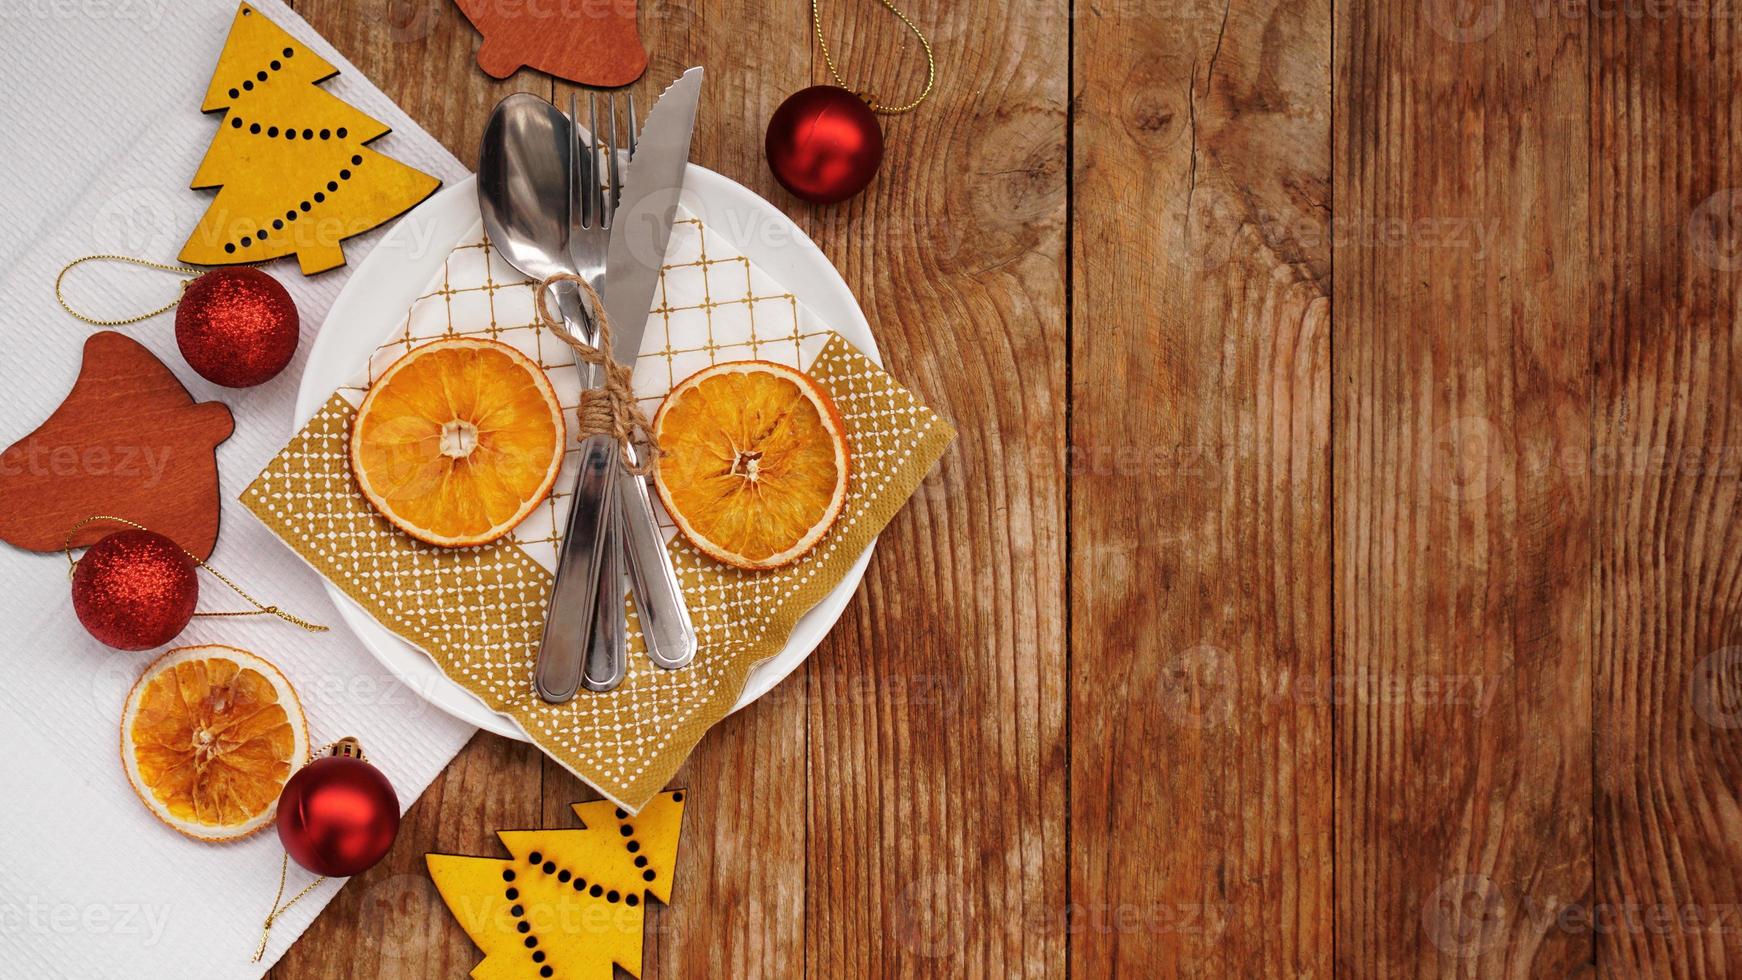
(935, 713)
(1201, 539)
(1666, 222)
(739, 903)
(420, 53)
(1462, 541)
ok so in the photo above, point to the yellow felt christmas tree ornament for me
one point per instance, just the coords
(289, 159)
(569, 903)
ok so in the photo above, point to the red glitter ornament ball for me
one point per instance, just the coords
(236, 327)
(135, 590)
(824, 144)
(338, 816)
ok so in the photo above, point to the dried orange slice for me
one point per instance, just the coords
(753, 463)
(458, 441)
(209, 736)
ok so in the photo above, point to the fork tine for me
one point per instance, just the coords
(633, 133)
(595, 200)
(577, 197)
(615, 190)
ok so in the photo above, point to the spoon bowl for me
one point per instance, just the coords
(525, 166)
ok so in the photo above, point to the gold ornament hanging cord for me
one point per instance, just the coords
(260, 609)
(876, 106)
(351, 750)
(188, 272)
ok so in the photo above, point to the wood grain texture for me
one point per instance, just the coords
(1200, 744)
(1462, 540)
(942, 691)
(1234, 636)
(1667, 611)
(128, 441)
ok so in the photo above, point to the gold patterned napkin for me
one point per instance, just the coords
(479, 612)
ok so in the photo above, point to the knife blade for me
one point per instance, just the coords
(641, 229)
(640, 232)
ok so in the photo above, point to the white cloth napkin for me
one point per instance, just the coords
(102, 133)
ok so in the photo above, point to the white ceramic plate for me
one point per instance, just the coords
(383, 287)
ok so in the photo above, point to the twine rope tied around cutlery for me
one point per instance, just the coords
(610, 408)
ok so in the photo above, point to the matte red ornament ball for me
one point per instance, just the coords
(338, 816)
(135, 590)
(236, 327)
(824, 144)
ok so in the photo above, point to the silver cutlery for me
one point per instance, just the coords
(615, 218)
(525, 168)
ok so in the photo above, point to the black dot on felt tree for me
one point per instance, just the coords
(596, 891)
(289, 51)
(276, 64)
(524, 927)
(247, 86)
(626, 830)
(230, 247)
(332, 185)
(677, 797)
(254, 128)
(538, 956)
(535, 858)
(342, 133)
(260, 75)
(517, 911)
(550, 867)
(508, 875)
(356, 158)
(613, 897)
(633, 846)
(235, 124)
(641, 861)
(563, 876)
(235, 94)
(290, 134)
(622, 814)
(308, 134)
(272, 131)
(326, 134)
(631, 900)
(513, 893)
(531, 941)
(648, 875)
(544, 971)
(344, 175)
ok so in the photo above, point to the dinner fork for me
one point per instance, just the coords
(591, 208)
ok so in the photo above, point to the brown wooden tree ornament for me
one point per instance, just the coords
(594, 42)
(129, 441)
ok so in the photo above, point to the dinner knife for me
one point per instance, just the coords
(640, 232)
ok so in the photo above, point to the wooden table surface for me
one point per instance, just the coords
(1336, 571)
